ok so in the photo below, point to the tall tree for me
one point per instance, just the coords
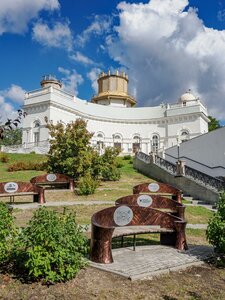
(213, 124)
(70, 151)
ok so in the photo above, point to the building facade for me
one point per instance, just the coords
(112, 116)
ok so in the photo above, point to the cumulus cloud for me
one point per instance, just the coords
(101, 25)
(70, 80)
(167, 49)
(93, 76)
(58, 36)
(16, 15)
(79, 57)
(10, 97)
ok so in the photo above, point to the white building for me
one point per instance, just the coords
(112, 117)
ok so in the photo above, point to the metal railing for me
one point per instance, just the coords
(143, 157)
(165, 164)
(202, 178)
(205, 179)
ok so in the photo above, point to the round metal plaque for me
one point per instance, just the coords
(144, 200)
(11, 187)
(123, 215)
(51, 177)
(153, 187)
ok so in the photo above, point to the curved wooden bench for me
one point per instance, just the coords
(158, 188)
(53, 180)
(12, 189)
(104, 222)
(153, 201)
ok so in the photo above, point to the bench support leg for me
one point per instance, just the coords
(134, 242)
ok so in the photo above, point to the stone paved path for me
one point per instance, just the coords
(148, 261)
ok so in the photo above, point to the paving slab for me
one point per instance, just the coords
(154, 260)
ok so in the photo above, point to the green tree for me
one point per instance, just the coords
(70, 151)
(12, 137)
(216, 230)
(213, 124)
(110, 166)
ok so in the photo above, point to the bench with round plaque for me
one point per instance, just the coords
(144, 200)
(11, 187)
(123, 215)
(51, 177)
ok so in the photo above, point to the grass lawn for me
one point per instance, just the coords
(20, 175)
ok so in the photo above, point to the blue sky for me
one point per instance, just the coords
(165, 46)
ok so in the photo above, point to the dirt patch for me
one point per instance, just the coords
(205, 282)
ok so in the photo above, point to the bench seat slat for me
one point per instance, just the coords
(131, 230)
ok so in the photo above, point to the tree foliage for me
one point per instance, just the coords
(11, 125)
(216, 229)
(213, 124)
(51, 248)
(7, 232)
(71, 153)
(12, 137)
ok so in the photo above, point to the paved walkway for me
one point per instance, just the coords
(148, 261)
(60, 203)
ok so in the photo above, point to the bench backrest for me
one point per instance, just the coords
(18, 187)
(126, 215)
(51, 178)
(158, 188)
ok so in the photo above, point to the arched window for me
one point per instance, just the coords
(100, 141)
(136, 145)
(36, 131)
(185, 135)
(155, 143)
(117, 141)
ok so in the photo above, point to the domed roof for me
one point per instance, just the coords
(188, 96)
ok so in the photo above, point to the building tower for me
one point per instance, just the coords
(50, 80)
(113, 90)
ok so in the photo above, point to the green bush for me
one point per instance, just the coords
(4, 158)
(110, 173)
(7, 232)
(127, 157)
(110, 164)
(216, 230)
(51, 248)
(21, 166)
(87, 185)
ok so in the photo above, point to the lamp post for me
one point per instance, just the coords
(178, 148)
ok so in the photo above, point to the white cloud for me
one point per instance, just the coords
(167, 49)
(71, 80)
(15, 93)
(79, 57)
(59, 36)
(16, 15)
(93, 76)
(101, 25)
(9, 97)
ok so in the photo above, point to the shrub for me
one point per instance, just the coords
(7, 232)
(216, 230)
(127, 157)
(21, 166)
(110, 165)
(87, 185)
(110, 173)
(4, 158)
(51, 248)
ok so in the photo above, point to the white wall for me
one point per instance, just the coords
(205, 153)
